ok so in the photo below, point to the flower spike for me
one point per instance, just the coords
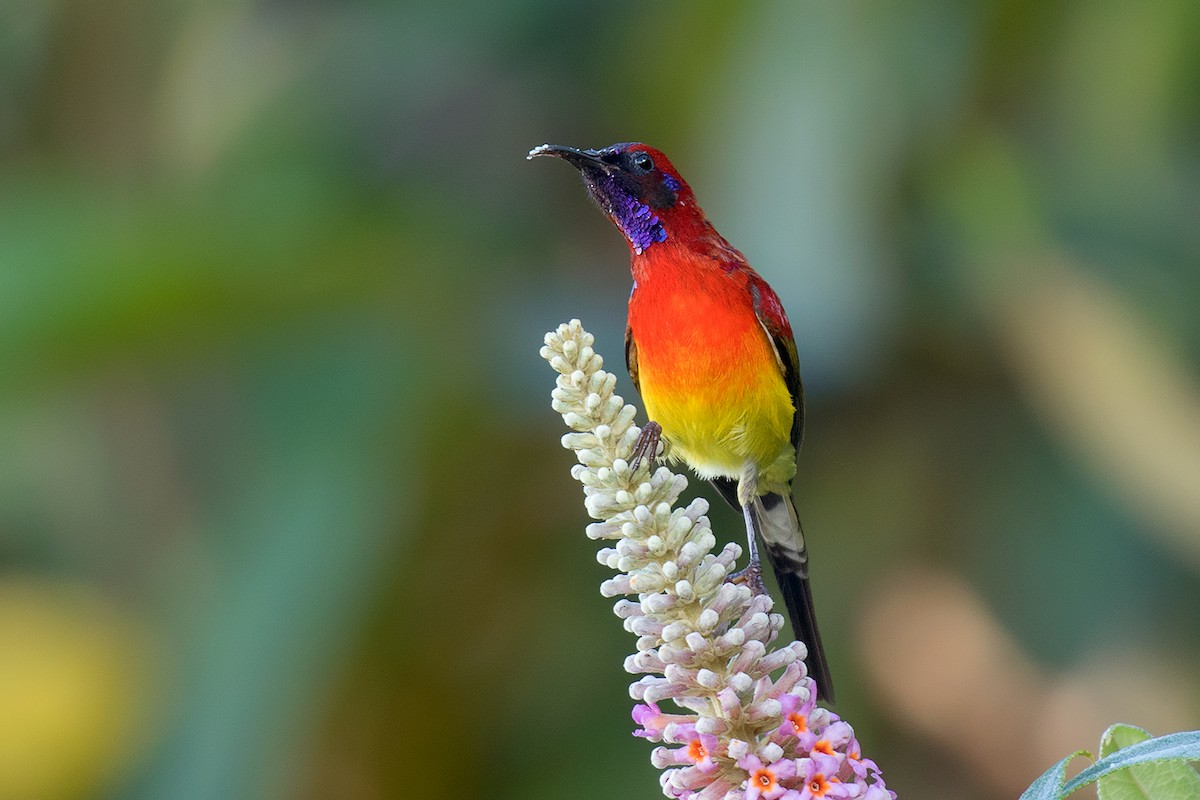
(704, 644)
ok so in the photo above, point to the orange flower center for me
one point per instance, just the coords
(696, 751)
(799, 722)
(764, 778)
(818, 785)
(823, 746)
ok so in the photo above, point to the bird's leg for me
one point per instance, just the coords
(751, 575)
(646, 446)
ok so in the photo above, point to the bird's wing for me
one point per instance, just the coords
(631, 362)
(775, 323)
(774, 514)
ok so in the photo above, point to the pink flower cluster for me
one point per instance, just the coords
(813, 755)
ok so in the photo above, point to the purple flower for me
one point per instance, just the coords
(699, 748)
(795, 711)
(878, 792)
(652, 720)
(820, 776)
(700, 752)
(766, 781)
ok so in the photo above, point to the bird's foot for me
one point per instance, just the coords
(646, 446)
(751, 576)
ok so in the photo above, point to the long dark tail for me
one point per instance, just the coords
(774, 517)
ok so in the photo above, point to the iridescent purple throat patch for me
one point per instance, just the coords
(636, 220)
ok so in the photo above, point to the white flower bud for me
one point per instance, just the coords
(738, 749)
(740, 682)
(770, 753)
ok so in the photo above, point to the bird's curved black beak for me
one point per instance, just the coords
(580, 159)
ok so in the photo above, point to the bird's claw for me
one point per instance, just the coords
(751, 576)
(646, 446)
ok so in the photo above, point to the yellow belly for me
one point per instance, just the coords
(722, 413)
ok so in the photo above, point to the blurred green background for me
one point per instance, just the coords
(283, 512)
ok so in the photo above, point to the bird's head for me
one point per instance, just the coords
(634, 184)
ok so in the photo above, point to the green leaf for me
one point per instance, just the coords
(1156, 776)
(1184, 745)
(1049, 786)
(1119, 736)
(1157, 780)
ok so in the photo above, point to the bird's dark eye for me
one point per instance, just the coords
(643, 162)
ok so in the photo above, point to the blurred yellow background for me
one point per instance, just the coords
(283, 512)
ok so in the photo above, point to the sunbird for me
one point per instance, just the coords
(711, 352)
